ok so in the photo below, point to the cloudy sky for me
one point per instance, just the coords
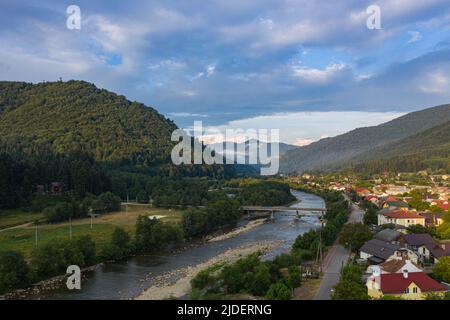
(310, 68)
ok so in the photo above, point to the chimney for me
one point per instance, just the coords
(405, 273)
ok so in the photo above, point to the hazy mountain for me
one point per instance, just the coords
(357, 144)
(241, 150)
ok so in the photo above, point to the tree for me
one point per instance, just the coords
(110, 200)
(262, 280)
(120, 238)
(13, 271)
(349, 290)
(418, 228)
(354, 235)
(442, 269)
(279, 291)
(142, 197)
(153, 234)
(350, 286)
(370, 217)
(294, 278)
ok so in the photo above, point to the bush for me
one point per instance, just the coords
(279, 291)
(54, 257)
(442, 269)
(13, 272)
(354, 235)
(153, 234)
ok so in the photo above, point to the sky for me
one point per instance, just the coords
(312, 69)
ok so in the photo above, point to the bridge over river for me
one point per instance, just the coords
(272, 210)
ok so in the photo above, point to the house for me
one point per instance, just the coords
(388, 235)
(400, 217)
(416, 240)
(362, 192)
(396, 204)
(394, 266)
(56, 187)
(433, 219)
(433, 251)
(377, 251)
(406, 285)
(371, 198)
(441, 204)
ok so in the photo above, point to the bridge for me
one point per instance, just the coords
(272, 210)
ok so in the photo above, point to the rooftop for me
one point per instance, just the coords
(397, 283)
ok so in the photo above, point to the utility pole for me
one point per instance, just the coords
(36, 236)
(70, 228)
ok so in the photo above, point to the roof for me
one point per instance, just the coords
(418, 239)
(394, 265)
(432, 217)
(397, 283)
(397, 203)
(380, 249)
(438, 250)
(399, 214)
(387, 235)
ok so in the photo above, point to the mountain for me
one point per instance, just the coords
(76, 116)
(237, 148)
(427, 149)
(357, 145)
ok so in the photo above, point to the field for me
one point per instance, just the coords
(15, 217)
(22, 239)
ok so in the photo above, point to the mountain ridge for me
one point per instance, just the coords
(339, 151)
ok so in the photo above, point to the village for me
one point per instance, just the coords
(408, 215)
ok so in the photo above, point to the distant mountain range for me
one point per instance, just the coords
(414, 141)
(240, 151)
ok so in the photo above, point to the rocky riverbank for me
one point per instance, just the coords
(166, 287)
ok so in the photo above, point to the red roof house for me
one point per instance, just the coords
(398, 283)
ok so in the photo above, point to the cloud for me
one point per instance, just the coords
(436, 82)
(318, 76)
(415, 36)
(301, 128)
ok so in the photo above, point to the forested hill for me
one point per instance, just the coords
(342, 150)
(427, 149)
(76, 116)
(88, 139)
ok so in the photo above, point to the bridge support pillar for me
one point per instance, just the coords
(272, 216)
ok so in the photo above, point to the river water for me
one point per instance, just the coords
(127, 279)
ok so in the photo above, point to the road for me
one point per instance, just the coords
(336, 257)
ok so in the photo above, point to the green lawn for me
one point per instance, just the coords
(23, 239)
(15, 217)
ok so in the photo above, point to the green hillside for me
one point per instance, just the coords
(427, 149)
(342, 150)
(75, 116)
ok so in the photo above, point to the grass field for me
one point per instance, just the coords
(23, 239)
(15, 217)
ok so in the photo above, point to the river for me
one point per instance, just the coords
(127, 279)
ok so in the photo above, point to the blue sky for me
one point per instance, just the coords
(231, 62)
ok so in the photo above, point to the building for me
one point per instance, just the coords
(388, 235)
(400, 217)
(416, 240)
(433, 219)
(431, 252)
(406, 285)
(376, 251)
(394, 266)
(396, 204)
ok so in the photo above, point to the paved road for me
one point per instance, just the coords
(336, 257)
